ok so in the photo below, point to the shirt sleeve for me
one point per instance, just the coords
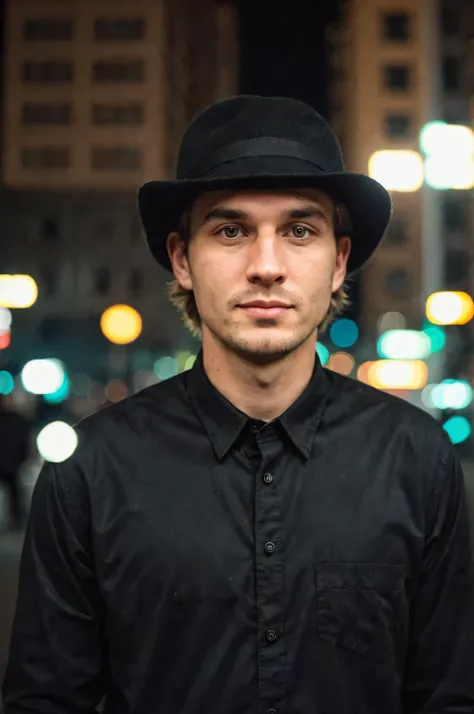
(57, 659)
(439, 675)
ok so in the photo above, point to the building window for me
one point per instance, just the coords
(120, 29)
(450, 18)
(116, 158)
(41, 114)
(110, 114)
(45, 157)
(456, 267)
(451, 74)
(455, 214)
(398, 126)
(48, 29)
(102, 281)
(135, 282)
(396, 26)
(47, 72)
(397, 232)
(49, 231)
(397, 282)
(397, 77)
(119, 71)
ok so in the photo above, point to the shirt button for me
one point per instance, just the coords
(271, 636)
(268, 478)
(272, 711)
(269, 547)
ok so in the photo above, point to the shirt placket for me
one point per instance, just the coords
(269, 561)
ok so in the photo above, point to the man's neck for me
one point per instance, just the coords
(260, 391)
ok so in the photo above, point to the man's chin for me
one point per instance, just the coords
(261, 351)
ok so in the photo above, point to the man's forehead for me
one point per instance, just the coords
(248, 199)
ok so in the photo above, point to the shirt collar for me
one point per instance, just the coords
(224, 423)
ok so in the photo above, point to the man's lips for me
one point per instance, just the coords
(262, 308)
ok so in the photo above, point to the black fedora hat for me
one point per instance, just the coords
(263, 142)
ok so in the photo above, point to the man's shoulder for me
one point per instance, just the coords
(382, 408)
(138, 411)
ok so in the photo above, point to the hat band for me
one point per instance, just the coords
(250, 148)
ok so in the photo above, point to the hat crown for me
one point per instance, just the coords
(251, 117)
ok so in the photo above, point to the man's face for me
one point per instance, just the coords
(263, 266)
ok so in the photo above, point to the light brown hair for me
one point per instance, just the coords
(185, 303)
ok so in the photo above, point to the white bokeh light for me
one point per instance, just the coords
(43, 376)
(56, 442)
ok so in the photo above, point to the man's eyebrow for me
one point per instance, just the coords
(225, 214)
(309, 211)
(234, 214)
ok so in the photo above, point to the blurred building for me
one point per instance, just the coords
(395, 67)
(96, 97)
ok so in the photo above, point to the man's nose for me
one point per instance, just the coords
(266, 264)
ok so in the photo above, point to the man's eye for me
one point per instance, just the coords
(231, 232)
(300, 232)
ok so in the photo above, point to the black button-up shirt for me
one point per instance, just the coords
(189, 560)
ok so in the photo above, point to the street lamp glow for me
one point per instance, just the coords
(397, 170)
(18, 291)
(404, 344)
(56, 442)
(121, 324)
(449, 308)
(398, 374)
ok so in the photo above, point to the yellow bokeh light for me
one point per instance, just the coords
(363, 372)
(17, 291)
(398, 374)
(397, 170)
(449, 308)
(121, 324)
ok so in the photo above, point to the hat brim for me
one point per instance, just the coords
(162, 203)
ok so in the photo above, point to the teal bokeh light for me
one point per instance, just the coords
(323, 353)
(344, 333)
(60, 394)
(436, 334)
(458, 429)
(7, 383)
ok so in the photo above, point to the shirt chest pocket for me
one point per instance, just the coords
(360, 606)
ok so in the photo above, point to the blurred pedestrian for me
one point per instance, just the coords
(15, 430)
(259, 534)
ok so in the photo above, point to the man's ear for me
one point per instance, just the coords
(343, 253)
(176, 247)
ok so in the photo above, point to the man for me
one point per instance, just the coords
(15, 433)
(257, 535)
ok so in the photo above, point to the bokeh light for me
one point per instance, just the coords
(458, 429)
(5, 319)
(398, 374)
(404, 344)
(7, 383)
(57, 441)
(391, 321)
(397, 170)
(166, 367)
(450, 308)
(363, 372)
(60, 395)
(5, 339)
(344, 333)
(449, 150)
(43, 376)
(116, 390)
(449, 394)
(342, 363)
(18, 291)
(323, 353)
(437, 336)
(121, 324)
